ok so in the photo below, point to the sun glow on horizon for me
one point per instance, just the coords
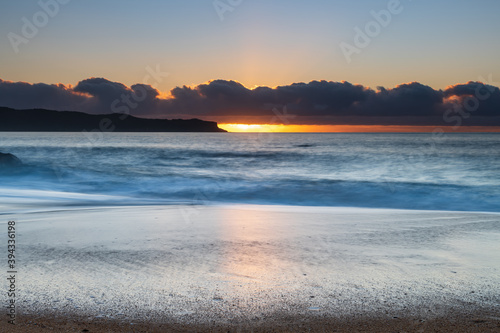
(258, 128)
(281, 128)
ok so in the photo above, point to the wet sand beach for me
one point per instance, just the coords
(255, 268)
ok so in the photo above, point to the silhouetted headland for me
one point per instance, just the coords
(41, 120)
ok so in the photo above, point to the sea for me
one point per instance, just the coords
(415, 171)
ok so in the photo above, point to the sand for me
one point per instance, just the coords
(255, 268)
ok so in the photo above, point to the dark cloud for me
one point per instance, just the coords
(475, 97)
(102, 89)
(314, 102)
(230, 98)
(411, 99)
(23, 95)
(322, 98)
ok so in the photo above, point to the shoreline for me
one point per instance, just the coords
(57, 201)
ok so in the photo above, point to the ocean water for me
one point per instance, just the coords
(459, 172)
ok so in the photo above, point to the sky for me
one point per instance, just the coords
(256, 43)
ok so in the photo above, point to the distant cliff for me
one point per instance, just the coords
(40, 120)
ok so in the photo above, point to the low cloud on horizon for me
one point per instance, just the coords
(316, 102)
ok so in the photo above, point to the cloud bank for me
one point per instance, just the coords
(316, 102)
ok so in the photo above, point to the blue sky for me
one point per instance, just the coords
(259, 42)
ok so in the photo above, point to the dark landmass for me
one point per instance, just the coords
(41, 120)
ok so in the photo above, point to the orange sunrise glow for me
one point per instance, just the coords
(280, 128)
